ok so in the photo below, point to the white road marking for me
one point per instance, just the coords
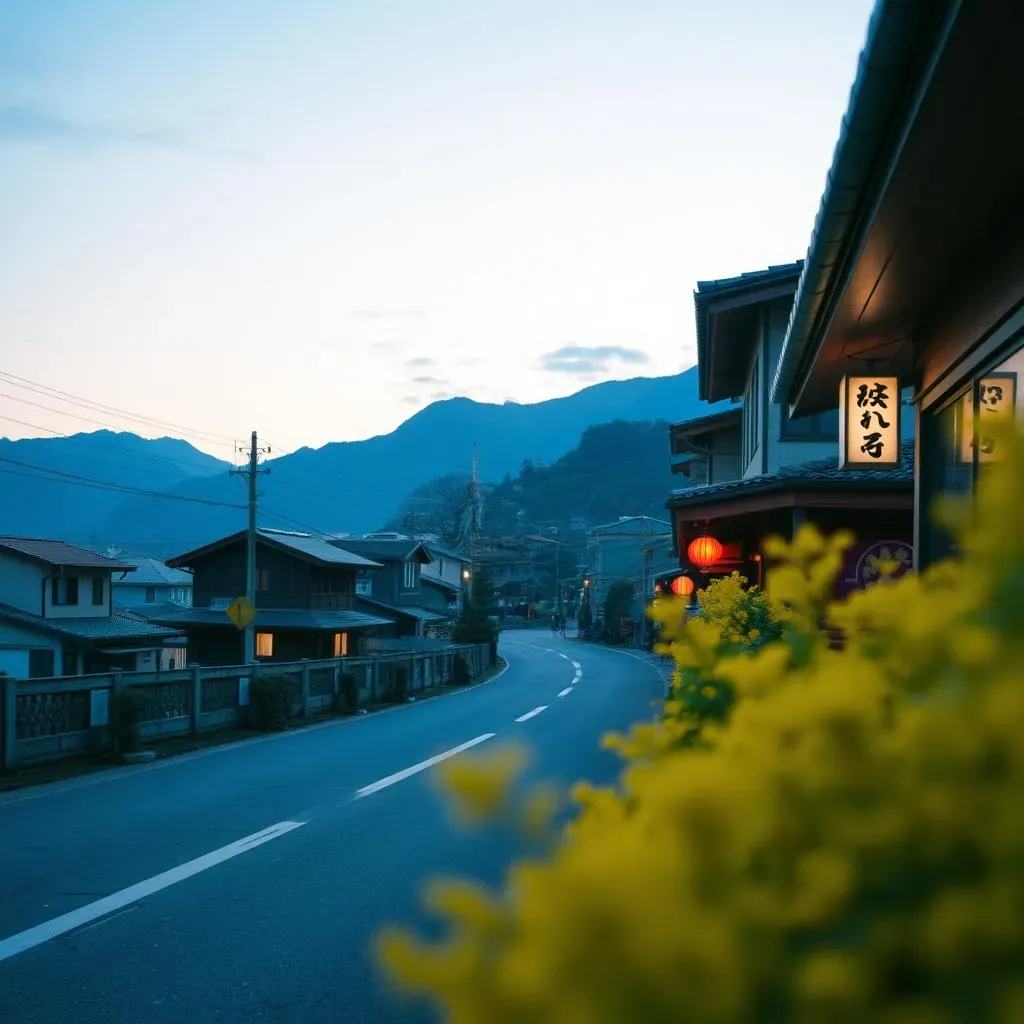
(565, 692)
(561, 655)
(531, 714)
(405, 773)
(31, 937)
(576, 665)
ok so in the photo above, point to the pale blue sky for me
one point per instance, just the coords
(314, 217)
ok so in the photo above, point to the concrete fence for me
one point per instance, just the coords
(54, 719)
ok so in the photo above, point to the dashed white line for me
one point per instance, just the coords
(531, 714)
(576, 665)
(36, 936)
(565, 692)
(562, 655)
(405, 773)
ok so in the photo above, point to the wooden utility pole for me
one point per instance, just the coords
(250, 472)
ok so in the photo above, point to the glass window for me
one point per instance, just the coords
(410, 575)
(265, 645)
(819, 426)
(64, 590)
(955, 447)
(341, 645)
(150, 595)
(41, 662)
(752, 414)
(97, 590)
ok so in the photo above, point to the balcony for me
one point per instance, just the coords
(331, 602)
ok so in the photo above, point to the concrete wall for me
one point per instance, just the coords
(21, 583)
(15, 643)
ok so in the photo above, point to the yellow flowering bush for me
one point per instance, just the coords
(744, 614)
(845, 845)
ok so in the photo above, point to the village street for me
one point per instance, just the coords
(257, 873)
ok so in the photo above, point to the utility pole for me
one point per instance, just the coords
(474, 511)
(250, 472)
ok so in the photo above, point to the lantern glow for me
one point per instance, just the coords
(682, 586)
(704, 551)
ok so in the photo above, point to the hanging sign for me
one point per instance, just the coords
(869, 423)
(996, 397)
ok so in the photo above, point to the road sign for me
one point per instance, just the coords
(241, 613)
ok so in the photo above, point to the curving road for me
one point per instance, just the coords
(244, 883)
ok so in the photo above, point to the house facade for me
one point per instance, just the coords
(915, 271)
(396, 589)
(57, 615)
(445, 578)
(634, 549)
(305, 600)
(763, 470)
(152, 584)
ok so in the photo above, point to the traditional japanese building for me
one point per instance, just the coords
(914, 278)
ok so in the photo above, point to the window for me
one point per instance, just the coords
(410, 575)
(263, 579)
(440, 567)
(264, 645)
(752, 414)
(97, 590)
(69, 663)
(822, 426)
(341, 645)
(64, 590)
(40, 663)
(150, 595)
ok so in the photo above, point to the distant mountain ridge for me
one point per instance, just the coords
(348, 486)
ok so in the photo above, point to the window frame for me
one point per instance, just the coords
(409, 577)
(71, 591)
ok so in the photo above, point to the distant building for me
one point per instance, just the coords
(633, 549)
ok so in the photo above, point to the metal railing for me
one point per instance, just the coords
(63, 717)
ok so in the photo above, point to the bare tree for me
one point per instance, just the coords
(440, 507)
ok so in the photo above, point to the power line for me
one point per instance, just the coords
(85, 403)
(105, 485)
(103, 445)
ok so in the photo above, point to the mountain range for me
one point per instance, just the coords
(164, 495)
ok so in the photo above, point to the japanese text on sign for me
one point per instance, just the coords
(869, 412)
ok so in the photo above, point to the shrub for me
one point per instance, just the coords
(461, 672)
(844, 845)
(349, 693)
(272, 699)
(130, 707)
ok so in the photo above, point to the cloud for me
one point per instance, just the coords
(441, 396)
(428, 380)
(26, 123)
(389, 345)
(584, 360)
(411, 400)
(387, 314)
(420, 361)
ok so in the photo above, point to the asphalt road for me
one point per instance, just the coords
(244, 883)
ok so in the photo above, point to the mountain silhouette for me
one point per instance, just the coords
(348, 486)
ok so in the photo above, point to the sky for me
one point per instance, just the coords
(314, 218)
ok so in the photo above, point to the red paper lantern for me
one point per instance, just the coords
(682, 586)
(704, 552)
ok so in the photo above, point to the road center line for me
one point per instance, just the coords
(405, 773)
(576, 665)
(36, 936)
(531, 714)
(561, 655)
(565, 692)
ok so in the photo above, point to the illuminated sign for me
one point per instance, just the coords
(869, 423)
(996, 398)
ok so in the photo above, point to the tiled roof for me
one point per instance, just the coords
(151, 571)
(437, 582)
(272, 618)
(384, 549)
(457, 556)
(150, 612)
(59, 554)
(422, 614)
(304, 545)
(714, 419)
(752, 278)
(119, 626)
(318, 550)
(821, 473)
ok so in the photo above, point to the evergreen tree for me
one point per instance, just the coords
(474, 625)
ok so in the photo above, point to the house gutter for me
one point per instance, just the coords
(905, 39)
